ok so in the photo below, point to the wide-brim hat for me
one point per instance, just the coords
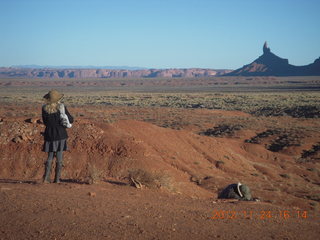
(53, 96)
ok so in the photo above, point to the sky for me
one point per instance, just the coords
(157, 33)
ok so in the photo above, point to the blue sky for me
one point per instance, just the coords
(157, 33)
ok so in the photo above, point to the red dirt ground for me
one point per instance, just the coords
(67, 211)
(197, 167)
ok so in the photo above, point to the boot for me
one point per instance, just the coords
(46, 176)
(58, 173)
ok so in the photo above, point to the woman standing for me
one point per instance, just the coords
(55, 135)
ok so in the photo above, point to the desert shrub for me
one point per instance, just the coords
(196, 179)
(257, 139)
(311, 152)
(94, 174)
(140, 177)
(219, 163)
(284, 175)
(222, 130)
(283, 141)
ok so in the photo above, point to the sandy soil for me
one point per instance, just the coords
(184, 203)
(111, 211)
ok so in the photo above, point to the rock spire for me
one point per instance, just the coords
(265, 48)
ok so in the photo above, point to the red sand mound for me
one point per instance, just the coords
(196, 166)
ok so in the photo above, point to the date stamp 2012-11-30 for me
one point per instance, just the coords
(262, 215)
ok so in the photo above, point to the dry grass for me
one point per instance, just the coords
(94, 174)
(140, 178)
(259, 102)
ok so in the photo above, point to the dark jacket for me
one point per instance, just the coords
(54, 130)
(232, 192)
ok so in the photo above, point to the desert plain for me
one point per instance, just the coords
(184, 140)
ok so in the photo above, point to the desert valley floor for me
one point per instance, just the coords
(190, 144)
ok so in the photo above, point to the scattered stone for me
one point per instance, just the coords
(92, 194)
(284, 175)
(196, 180)
(30, 120)
(219, 164)
(17, 139)
(33, 120)
(24, 137)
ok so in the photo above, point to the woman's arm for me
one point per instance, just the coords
(44, 119)
(69, 115)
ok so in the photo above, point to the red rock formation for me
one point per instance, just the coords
(107, 73)
(270, 64)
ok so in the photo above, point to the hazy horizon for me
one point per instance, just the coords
(157, 34)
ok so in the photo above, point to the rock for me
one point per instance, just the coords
(269, 64)
(31, 120)
(266, 49)
(24, 137)
(17, 139)
(108, 73)
(92, 194)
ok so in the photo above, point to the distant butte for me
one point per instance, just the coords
(269, 64)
